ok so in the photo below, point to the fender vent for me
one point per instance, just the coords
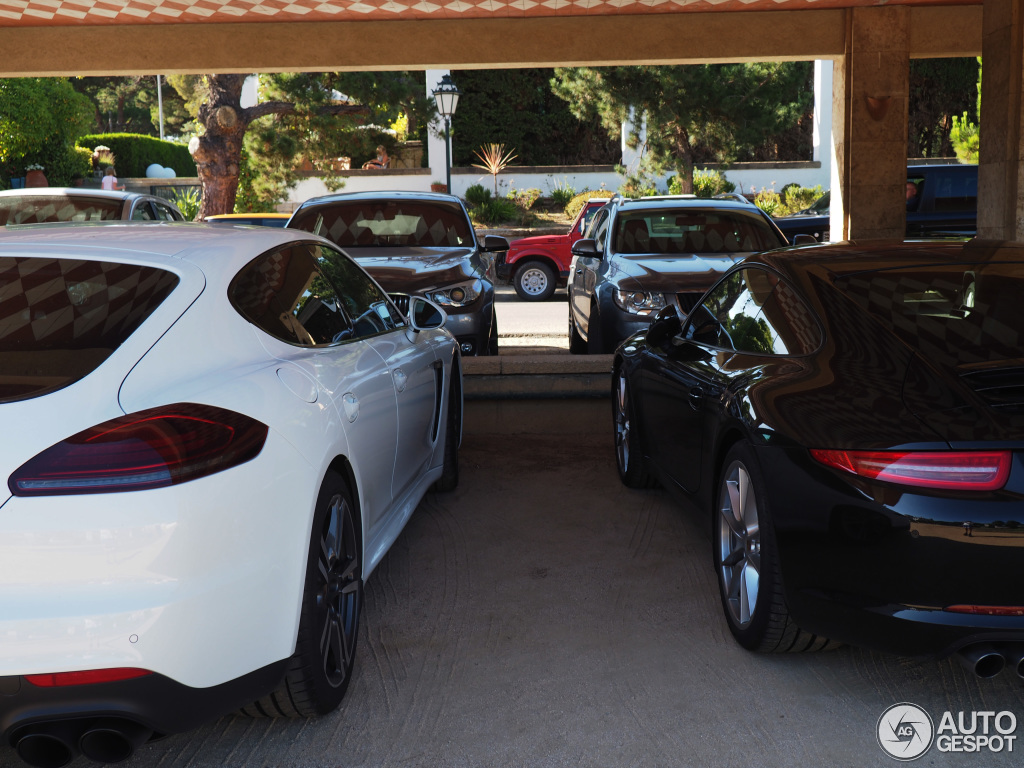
(1001, 388)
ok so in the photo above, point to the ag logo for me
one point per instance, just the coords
(905, 731)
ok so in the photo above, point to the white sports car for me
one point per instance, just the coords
(211, 436)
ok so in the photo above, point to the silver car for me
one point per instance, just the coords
(43, 205)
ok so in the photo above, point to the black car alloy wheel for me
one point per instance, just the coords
(628, 450)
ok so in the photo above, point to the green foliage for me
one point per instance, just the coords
(796, 198)
(187, 199)
(637, 184)
(74, 163)
(696, 113)
(477, 194)
(769, 201)
(965, 137)
(135, 153)
(517, 107)
(131, 105)
(576, 204)
(40, 118)
(940, 89)
(562, 193)
(524, 198)
(496, 210)
(706, 183)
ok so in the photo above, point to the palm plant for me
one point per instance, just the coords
(494, 160)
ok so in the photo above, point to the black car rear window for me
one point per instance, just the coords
(954, 314)
(41, 209)
(678, 230)
(388, 223)
(61, 318)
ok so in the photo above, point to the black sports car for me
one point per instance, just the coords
(852, 417)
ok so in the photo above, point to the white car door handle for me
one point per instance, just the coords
(400, 379)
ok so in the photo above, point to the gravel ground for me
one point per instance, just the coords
(543, 615)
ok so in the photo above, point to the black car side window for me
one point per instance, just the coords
(286, 295)
(795, 328)
(370, 309)
(729, 317)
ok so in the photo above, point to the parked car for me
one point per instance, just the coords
(52, 204)
(942, 200)
(417, 243)
(851, 419)
(537, 265)
(646, 254)
(212, 437)
(258, 219)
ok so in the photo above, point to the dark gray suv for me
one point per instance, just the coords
(642, 255)
(416, 243)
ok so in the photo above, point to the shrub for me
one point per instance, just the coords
(65, 167)
(706, 183)
(496, 210)
(135, 153)
(769, 201)
(187, 199)
(524, 198)
(796, 198)
(562, 193)
(576, 204)
(477, 194)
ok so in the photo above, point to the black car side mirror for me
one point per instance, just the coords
(702, 326)
(804, 240)
(494, 243)
(665, 325)
(586, 248)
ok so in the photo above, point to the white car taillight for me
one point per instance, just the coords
(149, 449)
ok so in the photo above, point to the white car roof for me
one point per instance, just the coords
(205, 245)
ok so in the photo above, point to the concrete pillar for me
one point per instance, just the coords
(870, 108)
(1001, 162)
(435, 143)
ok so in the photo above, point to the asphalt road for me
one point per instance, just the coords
(544, 615)
(533, 324)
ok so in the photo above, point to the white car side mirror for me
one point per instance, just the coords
(425, 315)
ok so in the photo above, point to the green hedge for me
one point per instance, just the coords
(133, 153)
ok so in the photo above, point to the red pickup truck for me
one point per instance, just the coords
(537, 265)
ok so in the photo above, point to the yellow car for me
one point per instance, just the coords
(262, 219)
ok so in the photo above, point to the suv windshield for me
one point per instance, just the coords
(389, 223)
(39, 209)
(676, 230)
(61, 318)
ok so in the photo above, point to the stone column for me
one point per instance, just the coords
(869, 125)
(1001, 216)
(821, 136)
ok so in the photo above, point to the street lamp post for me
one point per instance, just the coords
(446, 96)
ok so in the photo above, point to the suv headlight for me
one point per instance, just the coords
(639, 302)
(458, 295)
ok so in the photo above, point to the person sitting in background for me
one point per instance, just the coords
(381, 162)
(110, 180)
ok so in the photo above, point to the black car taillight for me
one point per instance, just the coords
(149, 449)
(946, 470)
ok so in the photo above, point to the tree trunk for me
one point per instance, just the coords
(218, 152)
(684, 158)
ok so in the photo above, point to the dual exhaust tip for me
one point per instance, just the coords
(55, 744)
(989, 659)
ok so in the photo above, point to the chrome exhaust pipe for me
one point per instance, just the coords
(48, 745)
(112, 740)
(983, 660)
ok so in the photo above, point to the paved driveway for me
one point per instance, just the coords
(543, 615)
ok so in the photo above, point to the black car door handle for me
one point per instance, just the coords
(696, 397)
